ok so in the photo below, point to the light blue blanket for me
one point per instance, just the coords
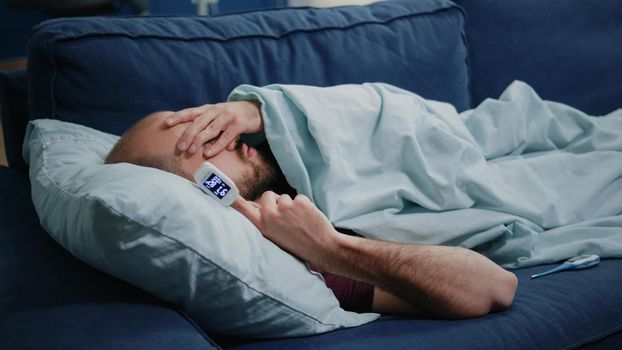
(521, 180)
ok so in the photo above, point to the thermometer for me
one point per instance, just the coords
(576, 263)
(216, 184)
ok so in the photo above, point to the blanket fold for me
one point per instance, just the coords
(522, 180)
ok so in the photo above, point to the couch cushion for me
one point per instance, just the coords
(51, 300)
(107, 72)
(561, 311)
(159, 232)
(568, 50)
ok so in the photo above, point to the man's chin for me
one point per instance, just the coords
(252, 187)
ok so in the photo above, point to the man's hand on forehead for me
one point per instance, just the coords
(216, 127)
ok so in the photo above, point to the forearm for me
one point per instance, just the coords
(440, 281)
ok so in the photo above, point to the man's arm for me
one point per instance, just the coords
(437, 281)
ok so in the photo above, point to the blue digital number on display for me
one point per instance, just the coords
(216, 186)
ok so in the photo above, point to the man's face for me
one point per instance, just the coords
(252, 171)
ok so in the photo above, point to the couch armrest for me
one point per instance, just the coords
(14, 113)
(51, 300)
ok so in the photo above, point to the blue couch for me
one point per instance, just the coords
(107, 72)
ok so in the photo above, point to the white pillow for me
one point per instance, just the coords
(157, 231)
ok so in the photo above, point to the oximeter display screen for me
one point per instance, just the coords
(215, 185)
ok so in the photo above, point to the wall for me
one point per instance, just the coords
(329, 3)
(15, 24)
(14, 28)
(224, 6)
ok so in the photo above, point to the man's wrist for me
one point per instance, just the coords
(334, 258)
(257, 125)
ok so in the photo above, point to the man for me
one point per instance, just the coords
(429, 281)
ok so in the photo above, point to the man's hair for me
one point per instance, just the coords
(124, 152)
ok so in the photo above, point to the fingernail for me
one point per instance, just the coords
(182, 146)
(207, 151)
(169, 121)
(193, 148)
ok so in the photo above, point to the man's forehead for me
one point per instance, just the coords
(154, 125)
(160, 138)
(158, 119)
(150, 129)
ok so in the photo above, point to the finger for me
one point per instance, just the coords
(302, 198)
(228, 135)
(267, 199)
(185, 115)
(210, 132)
(232, 144)
(199, 123)
(249, 209)
(284, 200)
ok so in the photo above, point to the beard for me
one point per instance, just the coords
(264, 175)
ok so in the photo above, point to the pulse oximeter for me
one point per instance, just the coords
(216, 184)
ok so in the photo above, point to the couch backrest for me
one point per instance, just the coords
(570, 51)
(108, 72)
